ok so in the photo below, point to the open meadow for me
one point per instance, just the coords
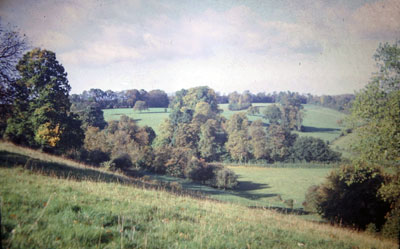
(43, 207)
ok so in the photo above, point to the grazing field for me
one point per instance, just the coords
(42, 210)
(261, 186)
(152, 117)
(318, 122)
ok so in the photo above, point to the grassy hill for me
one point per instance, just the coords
(48, 202)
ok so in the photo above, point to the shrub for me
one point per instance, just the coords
(311, 149)
(177, 162)
(311, 199)
(349, 196)
(199, 170)
(225, 179)
(96, 157)
(121, 162)
(391, 228)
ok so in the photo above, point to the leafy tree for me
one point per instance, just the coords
(350, 197)
(225, 178)
(376, 109)
(292, 115)
(273, 114)
(157, 98)
(258, 140)
(140, 106)
(313, 149)
(42, 116)
(93, 116)
(238, 138)
(210, 145)
(280, 140)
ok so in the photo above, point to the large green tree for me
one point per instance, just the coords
(42, 117)
(375, 112)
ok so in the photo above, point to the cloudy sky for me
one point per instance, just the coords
(308, 46)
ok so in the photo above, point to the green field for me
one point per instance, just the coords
(318, 122)
(152, 117)
(260, 186)
(57, 203)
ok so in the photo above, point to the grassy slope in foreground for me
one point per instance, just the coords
(49, 212)
(42, 211)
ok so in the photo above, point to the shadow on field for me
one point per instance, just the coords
(283, 210)
(150, 112)
(318, 129)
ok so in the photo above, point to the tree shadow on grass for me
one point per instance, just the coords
(296, 211)
(318, 129)
(151, 112)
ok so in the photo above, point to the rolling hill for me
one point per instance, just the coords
(56, 203)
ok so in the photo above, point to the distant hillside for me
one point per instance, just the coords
(68, 210)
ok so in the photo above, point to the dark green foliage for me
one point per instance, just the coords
(93, 116)
(292, 115)
(42, 116)
(258, 141)
(350, 197)
(199, 170)
(121, 162)
(312, 149)
(210, 140)
(311, 199)
(375, 111)
(280, 141)
(391, 228)
(178, 161)
(390, 192)
(225, 178)
(121, 137)
(273, 114)
(157, 98)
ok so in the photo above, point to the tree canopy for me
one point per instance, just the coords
(375, 112)
(41, 115)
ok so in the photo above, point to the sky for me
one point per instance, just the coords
(306, 46)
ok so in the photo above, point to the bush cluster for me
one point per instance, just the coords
(358, 196)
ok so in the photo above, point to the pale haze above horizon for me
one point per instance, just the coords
(306, 46)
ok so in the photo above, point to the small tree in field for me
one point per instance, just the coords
(140, 106)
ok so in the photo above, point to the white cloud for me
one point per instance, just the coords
(380, 20)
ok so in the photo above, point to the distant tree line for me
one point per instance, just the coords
(123, 99)
(237, 101)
